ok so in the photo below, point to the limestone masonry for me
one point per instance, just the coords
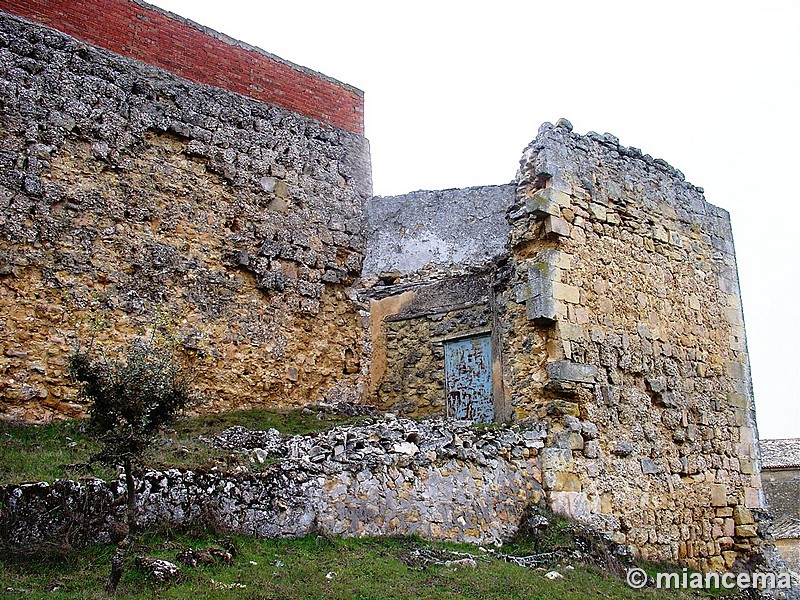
(593, 302)
(125, 188)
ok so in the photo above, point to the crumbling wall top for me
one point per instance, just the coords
(138, 30)
(436, 232)
(563, 156)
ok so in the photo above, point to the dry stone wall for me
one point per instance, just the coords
(125, 191)
(439, 480)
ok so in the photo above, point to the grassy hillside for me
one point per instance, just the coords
(63, 449)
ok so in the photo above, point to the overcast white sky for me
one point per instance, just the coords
(455, 90)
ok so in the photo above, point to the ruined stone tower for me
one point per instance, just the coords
(605, 287)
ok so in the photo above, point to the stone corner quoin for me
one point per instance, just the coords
(595, 299)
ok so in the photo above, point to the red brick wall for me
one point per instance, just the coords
(147, 34)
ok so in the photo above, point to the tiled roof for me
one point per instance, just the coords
(780, 454)
(787, 527)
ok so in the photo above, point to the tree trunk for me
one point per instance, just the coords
(117, 564)
(130, 485)
(118, 561)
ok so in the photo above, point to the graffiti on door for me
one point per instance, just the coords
(468, 375)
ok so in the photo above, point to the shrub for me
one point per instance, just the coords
(130, 398)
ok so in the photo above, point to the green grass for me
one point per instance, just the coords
(362, 569)
(63, 449)
(59, 450)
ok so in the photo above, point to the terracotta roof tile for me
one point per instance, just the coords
(780, 454)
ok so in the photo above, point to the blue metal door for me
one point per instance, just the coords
(468, 375)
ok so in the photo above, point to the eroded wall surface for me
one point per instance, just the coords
(430, 234)
(614, 310)
(126, 191)
(631, 275)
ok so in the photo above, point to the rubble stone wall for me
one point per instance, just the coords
(430, 234)
(438, 480)
(144, 32)
(631, 276)
(409, 326)
(413, 383)
(614, 304)
(127, 191)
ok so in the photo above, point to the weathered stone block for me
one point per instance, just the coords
(742, 515)
(749, 530)
(752, 497)
(547, 201)
(737, 400)
(656, 384)
(591, 449)
(556, 226)
(747, 466)
(542, 274)
(622, 449)
(566, 292)
(568, 371)
(556, 459)
(571, 504)
(649, 467)
(598, 211)
(568, 439)
(566, 482)
(563, 407)
(719, 493)
(541, 308)
(728, 528)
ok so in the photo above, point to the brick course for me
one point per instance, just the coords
(198, 54)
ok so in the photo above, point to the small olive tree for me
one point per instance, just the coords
(131, 395)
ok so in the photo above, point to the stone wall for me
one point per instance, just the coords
(427, 279)
(429, 234)
(631, 276)
(782, 491)
(147, 33)
(606, 282)
(438, 480)
(409, 327)
(780, 476)
(615, 315)
(413, 383)
(126, 191)
(789, 549)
